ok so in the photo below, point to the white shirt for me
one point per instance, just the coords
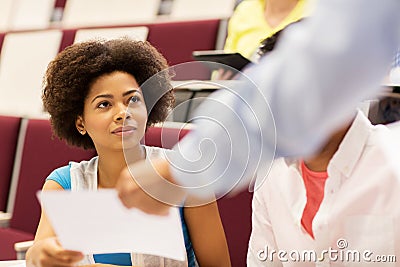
(360, 207)
(313, 80)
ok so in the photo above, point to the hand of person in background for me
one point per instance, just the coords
(149, 187)
(222, 74)
(48, 253)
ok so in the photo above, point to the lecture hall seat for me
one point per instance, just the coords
(9, 129)
(235, 212)
(38, 154)
(88, 13)
(177, 41)
(19, 15)
(165, 137)
(24, 59)
(205, 9)
(136, 32)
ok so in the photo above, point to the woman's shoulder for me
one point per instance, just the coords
(61, 171)
(61, 176)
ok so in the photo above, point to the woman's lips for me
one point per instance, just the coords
(124, 130)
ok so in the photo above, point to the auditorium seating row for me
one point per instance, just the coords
(43, 14)
(29, 152)
(25, 55)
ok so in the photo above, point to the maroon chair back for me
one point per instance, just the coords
(41, 154)
(163, 136)
(2, 35)
(67, 39)
(235, 214)
(177, 40)
(60, 3)
(9, 129)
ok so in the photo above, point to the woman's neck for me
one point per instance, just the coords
(277, 10)
(111, 163)
(320, 162)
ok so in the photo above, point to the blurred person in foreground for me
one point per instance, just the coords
(311, 83)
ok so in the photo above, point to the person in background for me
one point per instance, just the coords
(311, 83)
(344, 198)
(255, 20)
(344, 194)
(88, 88)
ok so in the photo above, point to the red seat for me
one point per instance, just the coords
(60, 3)
(8, 135)
(175, 40)
(2, 34)
(163, 136)
(41, 154)
(9, 237)
(235, 214)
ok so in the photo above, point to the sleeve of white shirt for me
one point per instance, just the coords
(262, 240)
(313, 80)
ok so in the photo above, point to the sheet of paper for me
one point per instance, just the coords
(96, 222)
(13, 263)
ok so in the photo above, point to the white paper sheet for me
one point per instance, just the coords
(96, 222)
(13, 263)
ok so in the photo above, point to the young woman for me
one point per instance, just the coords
(88, 88)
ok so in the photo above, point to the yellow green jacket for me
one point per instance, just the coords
(247, 27)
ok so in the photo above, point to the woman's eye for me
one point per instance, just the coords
(103, 105)
(134, 99)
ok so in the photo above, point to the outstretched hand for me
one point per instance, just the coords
(149, 187)
(48, 253)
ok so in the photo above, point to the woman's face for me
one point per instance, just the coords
(105, 117)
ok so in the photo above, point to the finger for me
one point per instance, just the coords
(48, 260)
(57, 253)
(227, 75)
(143, 202)
(153, 207)
(132, 196)
(127, 192)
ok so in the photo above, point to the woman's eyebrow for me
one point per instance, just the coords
(99, 96)
(131, 91)
(111, 96)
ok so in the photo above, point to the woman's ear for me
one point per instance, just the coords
(80, 125)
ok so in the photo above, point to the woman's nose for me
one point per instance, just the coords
(122, 114)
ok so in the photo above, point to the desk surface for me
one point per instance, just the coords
(16, 263)
(200, 85)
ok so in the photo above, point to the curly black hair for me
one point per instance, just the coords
(70, 75)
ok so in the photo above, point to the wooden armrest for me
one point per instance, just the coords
(4, 219)
(21, 248)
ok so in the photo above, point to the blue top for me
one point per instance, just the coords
(62, 176)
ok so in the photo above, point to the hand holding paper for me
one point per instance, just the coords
(80, 219)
